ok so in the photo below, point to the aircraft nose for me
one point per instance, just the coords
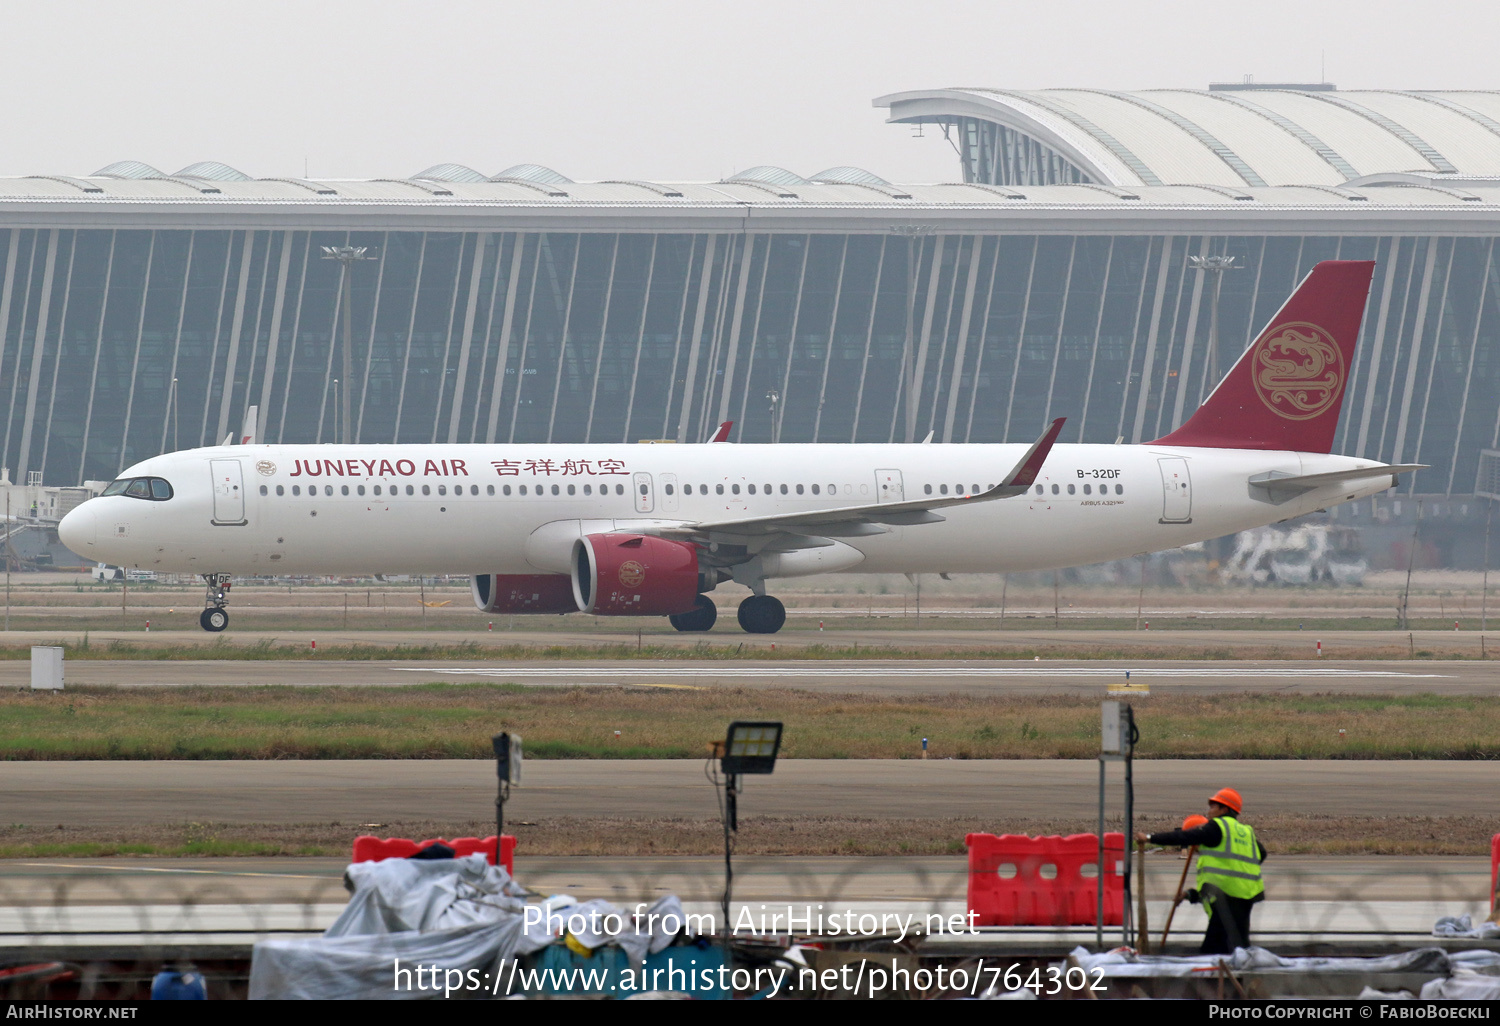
(79, 530)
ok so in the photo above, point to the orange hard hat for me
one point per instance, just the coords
(1228, 796)
(1194, 820)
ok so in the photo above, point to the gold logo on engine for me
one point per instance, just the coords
(266, 468)
(632, 573)
(1298, 372)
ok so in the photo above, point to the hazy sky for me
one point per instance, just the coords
(659, 89)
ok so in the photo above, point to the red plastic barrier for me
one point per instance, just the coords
(373, 849)
(1016, 880)
(1494, 871)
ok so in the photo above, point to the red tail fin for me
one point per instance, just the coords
(1288, 388)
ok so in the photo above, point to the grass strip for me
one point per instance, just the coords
(456, 721)
(758, 835)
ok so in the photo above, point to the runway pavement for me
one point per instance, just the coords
(894, 677)
(360, 791)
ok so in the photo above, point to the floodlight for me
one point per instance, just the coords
(751, 748)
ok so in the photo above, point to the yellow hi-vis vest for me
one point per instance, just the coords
(1233, 865)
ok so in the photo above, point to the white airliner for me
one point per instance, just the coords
(646, 530)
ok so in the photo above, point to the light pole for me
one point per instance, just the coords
(775, 397)
(911, 232)
(347, 256)
(1216, 266)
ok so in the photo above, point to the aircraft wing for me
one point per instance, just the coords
(870, 518)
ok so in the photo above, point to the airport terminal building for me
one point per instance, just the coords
(1055, 276)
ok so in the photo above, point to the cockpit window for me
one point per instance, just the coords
(153, 488)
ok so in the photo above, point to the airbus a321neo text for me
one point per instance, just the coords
(647, 530)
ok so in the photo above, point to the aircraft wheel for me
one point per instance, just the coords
(214, 620)
(762, 614)
(700, 618)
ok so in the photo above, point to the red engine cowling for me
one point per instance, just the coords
(523, 593)
(634, 575)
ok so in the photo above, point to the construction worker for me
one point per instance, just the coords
(1229, 878)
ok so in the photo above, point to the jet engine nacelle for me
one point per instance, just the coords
(523, 593)
(634, 575)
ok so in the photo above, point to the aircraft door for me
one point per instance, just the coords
(1176, 491)
(645, 493)
(229, 493)
(888, 486)
(669, 488)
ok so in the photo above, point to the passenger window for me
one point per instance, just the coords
(264, 489)
(296, 490)
(523, 489)
(799, 489)
(505, 489)
(490, 489)
(719, 489)
(1054, 489)
(474, 489)
(943, 489)
(328, 490)
(815, 489)
(588, 489)
(377, 489)
(751, 489)
(1070, 489)
(667, 489)
(1039, 489)
(783, 489)
(703, 489)
(427, 489)
(958, 489)
(831, 489)
(643, 489)
(555, 489)
(768, 489)
(1087, 490)
(927, 489)
(974, 489)
(280, 490)
(343, 489)
(572, 490)
(735, 489)
(442, 489)
(1119, 489)
(360, 489)
(410, 490)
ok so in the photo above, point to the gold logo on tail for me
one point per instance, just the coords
(1299, 371)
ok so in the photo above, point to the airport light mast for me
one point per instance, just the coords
(1216, 266)
(347, 256)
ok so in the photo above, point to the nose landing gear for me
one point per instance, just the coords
(215, 617)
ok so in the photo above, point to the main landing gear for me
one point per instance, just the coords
(700, 618)
(215, 617)
(762, 614)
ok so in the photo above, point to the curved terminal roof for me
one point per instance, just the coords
(1231, 136)
(841, 199)
(450, 173)
(213, 171)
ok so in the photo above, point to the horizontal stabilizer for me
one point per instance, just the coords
(1282, 486)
